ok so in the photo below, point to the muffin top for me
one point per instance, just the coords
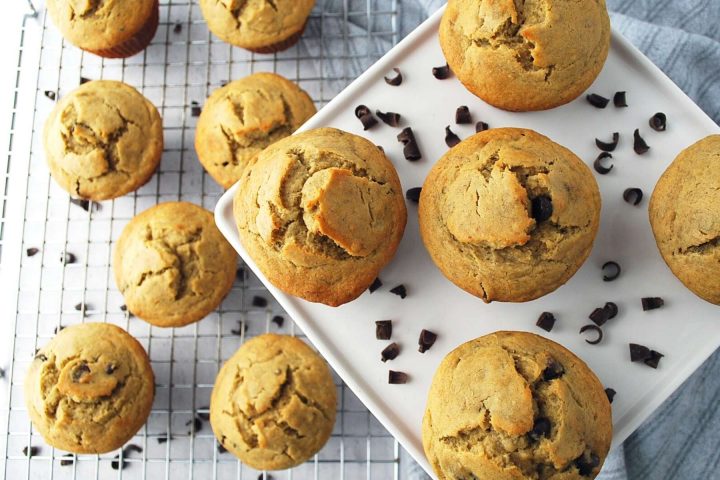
(509, 215)
(99, 24)
(255, 24)
(242, 118)
(686, 220)
(172, 264)
(529, 55)
(90, 389)
(273, 404)
(103, 140)
(514, 405)
(320, 213)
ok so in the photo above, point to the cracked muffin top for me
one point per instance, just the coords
(262, 26)
(525, 55)
(273, 404)
(685, 218)
(90, 389)
(516, 406)
(320, 213)
(172, 264)
(103, 140)
(242, 118)
(509, 215)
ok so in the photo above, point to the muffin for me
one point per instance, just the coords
(513, 405)
(509, 215)
(172, 264)
(110, 29)
(685, 217)
(523, 56)
(242, 118)
(103, 140)
(321, 213)
(90, 389)
(260, 26)
(273, 403)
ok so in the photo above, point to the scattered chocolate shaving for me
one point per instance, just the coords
(542, 208)
(633, 195)
(204, 415)
(80, 307)
(481, 127)
(596, 329)
(31, 251)
(260, 302)
(614, 269)
(426, 340)
(162, 439)
(81, 202)
(195, 109)
(541, 428)
(266, 477)
(411, 149)
(654, 359)
(597, 101)
(639, 144)
(30, 452)
(118, 464)
(639, 353)
(599, 316)
(2, 373)
(84, 80)
(383, 329)
(390, 352)
(123, 308)
(658, 122)
(611, 310)
(58, 328)
(177, 28)
(196, 423)
(546, 321)
(400, 291)
(67, 258)
(450, 138)
(68, 459)
(223, 83)
(397, 378)
(278, 320)
(365, 116)
(110, 368)
(221, 448)
(441, 73)
(413, 194)
(553, 370)
(389, 118)
(619, 99)
(608, 146)
(50, 94)
(40, 356)
(586, 465)
(651, 303)
(396, 80)
(242, 328)
(80, 372)
(599, 167)
(377, 283)
(610, 392)
(131, 447)
(462, 115)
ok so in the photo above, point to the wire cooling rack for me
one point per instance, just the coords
(41, 293)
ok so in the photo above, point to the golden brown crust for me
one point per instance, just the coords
(273, 404)
(476, 214)
(90, 389)
(526, 55)
(489, 393)
(685, 218)
(172, 264)
(242, 118)
(320, 213)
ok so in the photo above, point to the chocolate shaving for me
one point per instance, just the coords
(599, 167)
(67, 258)
(221, 449)
(397, 378)
(31, 451)
(546, 321)
(40, 356)
(481, 127)
(278, 320)
(639, 144)
(80, 307)
(654, 359)
(611, 310)
(118, 464)
(84, 80)
(68, 460)
(633, 195)
(390, 118)
(599, 316)
(608, 146)
(400, 291)
(196, 423)
(162, 439)
(377, 283)
(619, 99)
(411, 149)
(462, 115)
(31, 251)
(50, 94)
(651, 303)
(413, 194)
(597, 101)
(177, 28)
(223, 83)
(383, 329)
(450, 138)
(426, 340)
(441, 73)
(58, 329)
(81, 202)
(541, 428)
(396, 80)
(614, 269)
(639, 353)
(195, 109)
(242, 328)
(131, 447)
(260, 302)
(596, 329)
(241, 274)
(365, 116)
(205, 416)
(390, 352)
(610, 394)
(542, 208)
(658, 122)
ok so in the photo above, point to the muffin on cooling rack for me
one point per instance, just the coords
(514, 405)
(172, 264)
(320, 213)
(242, 118)
(90, 389)
(110, 29)
(260, 26)
(103, 140)
(273, 404)
(509, 215)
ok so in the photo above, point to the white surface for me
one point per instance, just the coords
(686, 330)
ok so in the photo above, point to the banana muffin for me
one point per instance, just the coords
(242, 118)
(529, 55)
(273, 404)
(90, 389)
(260, 26)
(321, 213)
(509, 215)
(108, 28)
(103, 140)
(515, 406)
(172, 264)
(685, 217)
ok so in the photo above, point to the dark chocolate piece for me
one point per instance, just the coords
(633, 195)
(68, 459)
(639, 144)
(196, 423)
(267, 476)
(84, 80)
(614, 269)
(611, 146)
(651, 303)
(221, 449)
(599, 316)
(242, 328)
(595, 329)
(205, 416)
(481, 127)
(619, 99)
(375, 285)
(411, 149)
(553, 370)
(658, 122)
(30, 452)
(50, 94)
(396, 80)
(542, 208)
(462, 115)
(541, 428)
(390, 352)
(365, 116)
(426, 340)
(390, 118)
(383, 329)
(131, 447)
(586, 465)
(177, 28)
(195, 109)
(162, 439)
(110, 368)
(546, 321)
(81, 202)
(611, 310)
(441, 73)
(450, 138)
(80, 372)
(278, 320)
(599, 167)
(397, 378)
(241, 274)
(400, 291)
(80, 307)
(610, 392)
(413, 194)
(31, 251)
(260, 302)
(58, 329)
(597, 101)
(118, 464)
(639, 353)
(654, 359)
(67, 258)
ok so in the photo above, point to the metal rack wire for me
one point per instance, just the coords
(183, 65)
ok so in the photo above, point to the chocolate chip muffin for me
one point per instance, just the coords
(242, 118)
(509, 215)
(90, 389)
(273, 403)
(527, 55)
(685, 217)
(172, 264)
(260, 26)
(103, 140)
(320, 213)
(513, 405)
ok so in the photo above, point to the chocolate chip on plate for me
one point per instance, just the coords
(595, 329)
(462, 115)
(658, 122)
(542, 208)
(546, 321)
(450, 138)
(651, 303)
(365, 116)
(375, 285)
(608, 146)
(614, 268)
(441, 73)
(599, 316)
(639, 144)
(278, 320)
(260, 302)
(383, 329)
(50, 94)
(610, 392)
(481, 127)
(413, 194)
(397, 378)
(620, 99)
(31, 251)
(390, 118)
(390, 352)
(633, 196)
(597, 101)
(426, 340)
(541, 428)
(411, 151)
(400, 291)
(654, 359)
(611, 309)
(599, 167)
(396, 80)
(639, 353)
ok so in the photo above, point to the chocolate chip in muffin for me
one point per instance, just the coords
(654, 359)
(397, 378)
(396, 80)
(79, 372)
(620, 99)
(639, 353)
(278, 320)
(260, 302)
(597, 101)
(633, 196)
(441, 73)
(50, 94)
(610, 394)
(67, 258)
(426, 340)
(541, 428)
(411, 151)
(177, 28)
(110, 368)
(389, 118)
(599, 316)
(639, 144)
(68, 459)
(586, 463)
(608, 146)
(611, 310)
(481, 127)
(546, 321)
(377, 283)
(651, 303)
(390, 352)
(542, 208)
(658, 122)
(599, 167)
(595, 329)
(413, 194)
(383, 329)
(30, 451)
(400, 291)
(553, 370)
(450, 138)
(614, 269)
(31, 251)
(462, 115)
(365, 116)
(84, 80)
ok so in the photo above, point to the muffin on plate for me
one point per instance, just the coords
(321, 213)
(103, 140)
(273, 404)
(242, 118)
(172, 264)
(260, 26)
(110, 29)
(685, 217)
(514, 405)
(90, 389)
(509, 215)
(530, 55)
